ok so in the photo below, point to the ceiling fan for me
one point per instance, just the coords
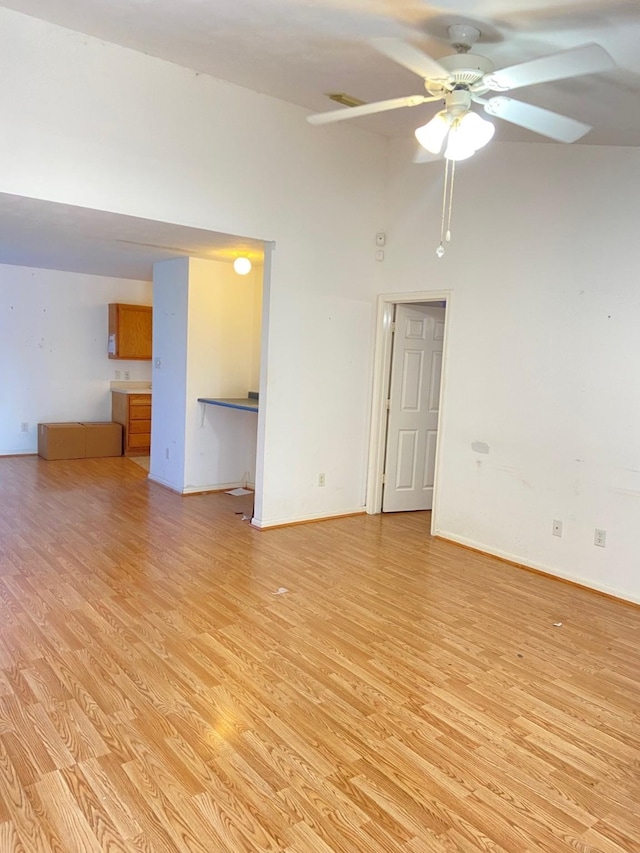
(465, 78)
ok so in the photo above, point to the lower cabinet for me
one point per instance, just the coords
(133, 411)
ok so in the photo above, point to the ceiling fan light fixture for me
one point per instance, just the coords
(432, 134)
(468, 134)
(477, 130)
(457, 148)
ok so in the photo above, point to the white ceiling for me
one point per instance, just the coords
(48, 235)
(299, 50)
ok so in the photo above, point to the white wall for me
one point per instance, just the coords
(543, 352)
(96, 125)
(220, 444)
(53, 346)
(169, 398)
(204, 339)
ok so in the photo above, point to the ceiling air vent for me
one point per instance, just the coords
(345, 100)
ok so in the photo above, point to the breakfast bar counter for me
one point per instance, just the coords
(246, 404)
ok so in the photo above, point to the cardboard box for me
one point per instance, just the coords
(62, 441)
(79, 440)
(103, 439)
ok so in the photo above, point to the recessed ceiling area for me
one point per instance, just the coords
(48, 235)
(299, 51)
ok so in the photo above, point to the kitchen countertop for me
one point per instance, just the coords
(131, 386)
(247, 404)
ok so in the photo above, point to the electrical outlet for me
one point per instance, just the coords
(321, 479)
(24, 426)
(557, 528)
(127, 375)
(118, 374)
(600, 538)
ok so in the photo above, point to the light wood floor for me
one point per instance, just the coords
(403, 695)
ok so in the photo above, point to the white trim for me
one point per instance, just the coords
(261, 435)
(215, 487)
(381, 375)
(549, 571)
(381, 371)
(196, 490)
(314, 516)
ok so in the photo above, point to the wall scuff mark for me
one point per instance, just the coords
(480, 447)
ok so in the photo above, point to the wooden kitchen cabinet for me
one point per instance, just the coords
(133, 411)
(130, 331)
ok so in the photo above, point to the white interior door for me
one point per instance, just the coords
(412, 429)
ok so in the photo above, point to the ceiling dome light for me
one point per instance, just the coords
(242, 266)
(432, 134)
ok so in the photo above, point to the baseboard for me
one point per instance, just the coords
(218, 487)
(306, 519)
(163, 483)
(198, 490)
(546, 571)
(18, 453)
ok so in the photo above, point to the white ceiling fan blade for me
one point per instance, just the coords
(411, 58)
(587, 59)
(555, 126)
(368, 109)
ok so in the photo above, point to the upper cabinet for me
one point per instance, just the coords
(130, 331)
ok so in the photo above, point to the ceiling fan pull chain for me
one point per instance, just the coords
(440, 249)
(453, 175)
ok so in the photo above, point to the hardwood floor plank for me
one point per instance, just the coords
(167, 807)
(153, 836)
(9, 839)
(233, 824)
(107, 793)
(93, 809)
(256, 792)
(61, 817)
(17, 806)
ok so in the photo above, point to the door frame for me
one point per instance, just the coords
(386, 304)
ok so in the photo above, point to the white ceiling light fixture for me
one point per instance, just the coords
(433, 134)
(465, 132)
(461, 133)
(468, 134)
(242, 266)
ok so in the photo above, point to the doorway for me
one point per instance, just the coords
(420, 462)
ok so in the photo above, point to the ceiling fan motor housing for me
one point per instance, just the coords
(458, 102)
(466, 70)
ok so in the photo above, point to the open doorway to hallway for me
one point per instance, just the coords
(408, 399)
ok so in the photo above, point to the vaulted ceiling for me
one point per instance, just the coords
(299, 50)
